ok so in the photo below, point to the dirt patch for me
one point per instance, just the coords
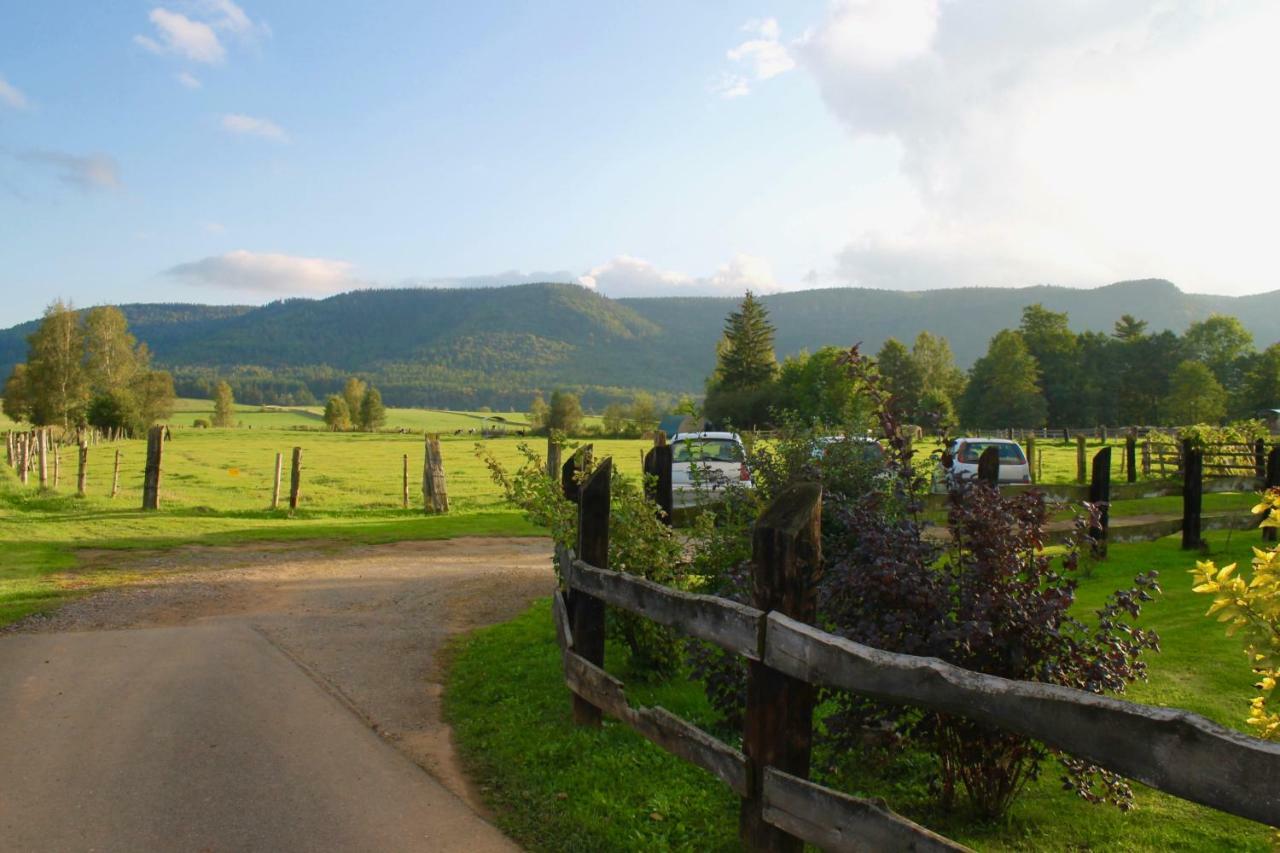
(368, 622)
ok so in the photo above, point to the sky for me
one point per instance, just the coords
(242, 152)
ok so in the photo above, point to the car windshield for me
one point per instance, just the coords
(707, 450)
(1010, 454)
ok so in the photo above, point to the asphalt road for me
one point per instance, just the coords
(201, 738)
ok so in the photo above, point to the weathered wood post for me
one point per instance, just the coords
(151, 474)
(295, 479)
(1100, 496)
(657, 471)
(553, 456)
(10, 455)
(82, 470)
(1131, 456)
(275, 487)
(435, 495)
(42, 448)
(1260, 459)
(24, 463)
(989, 467)
(786, 565)
(587, 611)
(1146, 458)
(1080, 459)
(1273, 481)
(57, 465)
(1031, 456)
(573, 469)
(1192, 494)
(115, 475)
(404, 491)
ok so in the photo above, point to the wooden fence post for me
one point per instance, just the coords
(1080, 459)
(295, 479)
(579, 463)
(1260, 459)
(151, 474)
(435, 495)
(23, 459)
(1192, 493)
(115, 475)
(989, 467)
(275, 489)
(57, 465)
(42, 448)
(82, 469)
(1273, 481)
(587, 611)
(786, 565)
(1031, 457)
(404, 492)
(657, 464)
(1146, 458)
(1100, 495)
(10, 456)
(553, 456)
(1131, 456)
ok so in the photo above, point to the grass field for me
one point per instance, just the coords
(559, 787)
(216, 489)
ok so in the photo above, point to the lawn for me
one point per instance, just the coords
(216, 489)
(558, 787)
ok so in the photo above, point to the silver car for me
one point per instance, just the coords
(704, 464)
(965, 452)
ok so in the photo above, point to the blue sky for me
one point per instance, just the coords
(209, 150)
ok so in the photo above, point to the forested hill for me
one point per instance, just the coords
(497, 346)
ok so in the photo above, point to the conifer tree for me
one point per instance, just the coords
(746, 356)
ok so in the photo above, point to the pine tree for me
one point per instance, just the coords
(372, 413)
(224, 405)
(57, 386)
(746, 356)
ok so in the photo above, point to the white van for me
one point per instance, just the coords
(703, 464)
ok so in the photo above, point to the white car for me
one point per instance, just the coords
(704, 464)
(965, 452)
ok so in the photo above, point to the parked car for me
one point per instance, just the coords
(704, 464)
(963, 455)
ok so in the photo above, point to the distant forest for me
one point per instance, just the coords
(499, 347)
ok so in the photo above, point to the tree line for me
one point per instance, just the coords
(85, 368)
(1040, 374)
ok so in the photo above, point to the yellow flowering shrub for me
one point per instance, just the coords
(1251, 608)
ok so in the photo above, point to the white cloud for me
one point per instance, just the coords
(627, 276)
(731, 86)
(250, 126)
(194, 32)
(268, 273)
(87, 172)
(765, 54)
(1073, 143)
(189, 80)
(11, 95)
(502, 279)
(178, 34)
(762, 57)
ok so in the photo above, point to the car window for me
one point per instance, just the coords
(1010, 454)
(707, 450)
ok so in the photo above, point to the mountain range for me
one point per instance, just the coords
(498, 346)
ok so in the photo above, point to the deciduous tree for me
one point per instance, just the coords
(57, 385)
(372, 413)
(336, 414)
(224, 405)
(1004, 387)
(1195, 396)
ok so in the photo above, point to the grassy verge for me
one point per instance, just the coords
(557, 787)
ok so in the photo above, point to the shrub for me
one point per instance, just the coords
(200, 423)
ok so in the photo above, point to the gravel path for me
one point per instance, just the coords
(366, 623)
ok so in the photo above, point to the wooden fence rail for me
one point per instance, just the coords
(1176, 751)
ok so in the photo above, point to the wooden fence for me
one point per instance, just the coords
(1173, 750)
